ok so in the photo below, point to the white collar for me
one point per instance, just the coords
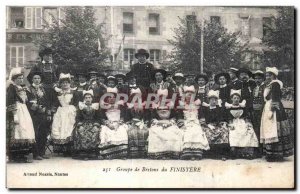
(202, 87)
(82, 84)
(223, 86)
(36, 86)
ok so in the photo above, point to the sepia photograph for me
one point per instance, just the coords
(144, 97)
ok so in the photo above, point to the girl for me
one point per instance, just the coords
(64, 118)
(216, 129)
(87, 128)
(194, 139)
(20, 132)
(275, 129)
(113, 135)
(165, 137)
(242, 137)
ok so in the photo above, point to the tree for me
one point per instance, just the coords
(222, 49)
(75, 39)
(279, 39)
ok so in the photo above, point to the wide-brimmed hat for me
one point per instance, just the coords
(35, 71)
(179, 75)
(226, 75)
(163, 72)
(259, 73)
(201, 75)
(142, 52)
(244, 70)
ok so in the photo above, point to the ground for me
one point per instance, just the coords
(141, 173)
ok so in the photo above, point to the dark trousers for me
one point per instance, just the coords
(42, 130)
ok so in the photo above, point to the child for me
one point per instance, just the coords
(223, 79)
(202, 89)
(216, 129)
(242, 137)
(87, 128)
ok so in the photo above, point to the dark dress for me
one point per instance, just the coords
(143, 72)
(216, 130)
(224, 94)
(275, 130)
(246, 93)
(86, 135)
(39, 96)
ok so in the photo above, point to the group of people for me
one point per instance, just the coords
(82, 116)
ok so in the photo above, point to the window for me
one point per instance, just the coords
(215, 20)
(38, 17)
(245, 26)
(127, 22)
(17, 17)
(267, 24)
(17, 56)
(50, 15)
(29, 17)
(153, 23)
(128, 55)
(154, 55)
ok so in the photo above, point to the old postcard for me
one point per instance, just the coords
(150, 97)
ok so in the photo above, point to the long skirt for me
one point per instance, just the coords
(86, 139)
(242, 138)
(165, 142)
(218, 139)
(114, 142)
(137, 141)
(62, 129)
(194, 140)
(275, 133)
(20, 136)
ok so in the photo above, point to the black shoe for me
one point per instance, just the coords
(38, 158)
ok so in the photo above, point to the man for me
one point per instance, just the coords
(143, 69)
(98, 88)
(258, 104)
(246, 86)
(234, 81)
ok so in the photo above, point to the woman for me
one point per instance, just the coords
(159, 77)
(64, 118)
(87, 128)
(165, 137)
(113, 135)
(242, 137)
(275, 129)
(216, 129)
(20, 131)
(40, 111)
(194, 139)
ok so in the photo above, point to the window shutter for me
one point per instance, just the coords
(28, 17)
(20, 56)
(13, 56)
(164, 55)
(7, 17)
(38, 18)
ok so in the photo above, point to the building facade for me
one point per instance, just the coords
(131, 28)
